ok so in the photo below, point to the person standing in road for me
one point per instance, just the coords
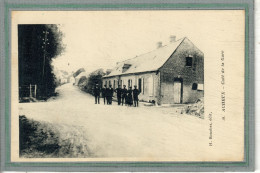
(107, 95)
(110, 93)
(97, 94)
(136, 92)
(130, 97)
(104, 91)
(124, 94)
(119, 94)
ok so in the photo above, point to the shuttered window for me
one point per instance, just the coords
(129, 83)
(200, 87)
(150, 86)
(140, 84)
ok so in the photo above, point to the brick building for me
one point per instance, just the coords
(170, 74)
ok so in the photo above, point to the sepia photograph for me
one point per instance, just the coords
(147, 85)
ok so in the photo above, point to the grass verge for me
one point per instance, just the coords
(38, 139)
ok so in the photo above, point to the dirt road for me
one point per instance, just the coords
(120, 131)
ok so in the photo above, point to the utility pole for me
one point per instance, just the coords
(45, 42)
(45, 39)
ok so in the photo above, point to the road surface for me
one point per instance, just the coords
(119, 131)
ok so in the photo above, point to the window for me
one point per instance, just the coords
(200, 87)
(140, 84)
(150, 86)
(194, 86)
(143, 85)
(109, 83)
(125, 67)
(129, 83)
(106, 83)
(114, 85)
(188, 61)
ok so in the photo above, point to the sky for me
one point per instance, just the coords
(99, 39)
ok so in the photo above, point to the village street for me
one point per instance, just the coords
(121, 131)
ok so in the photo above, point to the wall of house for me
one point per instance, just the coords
(111, 79)
(149, 84)
(175, 68)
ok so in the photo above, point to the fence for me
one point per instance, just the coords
(29, 91)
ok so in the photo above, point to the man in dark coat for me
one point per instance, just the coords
(110, 92)
(119, 94)
(97, 94)
(124, 94)
(136, 92)
(104, 89)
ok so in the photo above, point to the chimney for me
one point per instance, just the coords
(159, 44)
(172, 38)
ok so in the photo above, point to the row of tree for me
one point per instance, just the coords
(88, 83)
(37, 46)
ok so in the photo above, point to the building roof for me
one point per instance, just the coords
(150, 61)
(81, 74)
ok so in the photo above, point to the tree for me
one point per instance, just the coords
(37, 46)
(94, 78)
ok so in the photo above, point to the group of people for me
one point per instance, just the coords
(124, 95)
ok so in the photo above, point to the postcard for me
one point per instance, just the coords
(128, 85)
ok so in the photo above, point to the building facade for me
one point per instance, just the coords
(171, 74)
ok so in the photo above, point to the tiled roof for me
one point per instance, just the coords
(150, 61)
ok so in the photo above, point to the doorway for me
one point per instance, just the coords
(177, 90)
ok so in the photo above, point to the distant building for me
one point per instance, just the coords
(171, 74)
(71, 79)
